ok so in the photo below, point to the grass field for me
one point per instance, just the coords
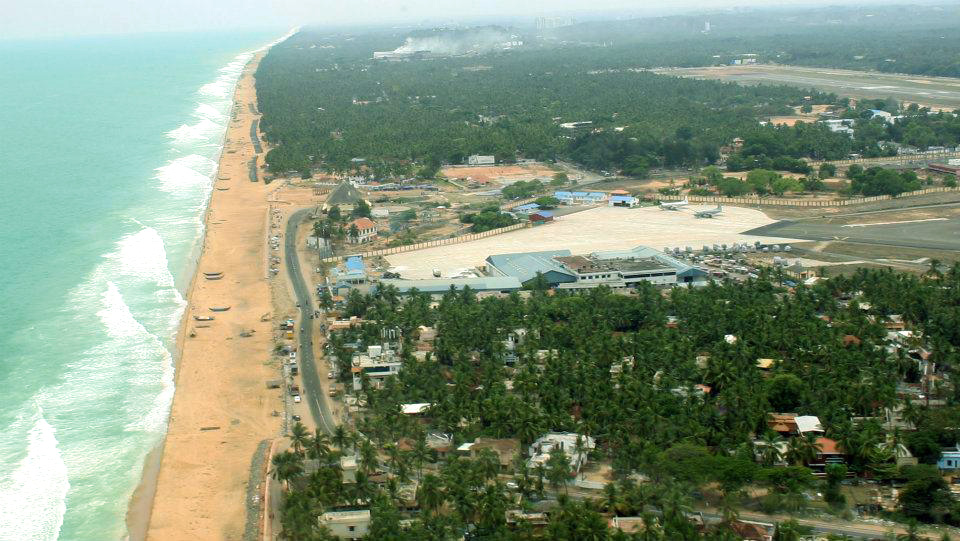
(933, 92)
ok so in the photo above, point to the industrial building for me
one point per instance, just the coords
(618, 270)
(439, 286)
(525, 266)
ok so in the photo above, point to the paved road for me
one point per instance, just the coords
(312, 391)
(856, 530)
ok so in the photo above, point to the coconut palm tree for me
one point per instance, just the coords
(299, 437)
(286, 466)
(342, 438)
(368, 457)
(770, 448)
(318, 447)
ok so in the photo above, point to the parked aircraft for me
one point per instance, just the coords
(709, 213)
(676, 205)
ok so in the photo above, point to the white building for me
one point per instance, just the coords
(476, 159)
(347, 524)
(566, 441)
(366, 230)
(377, 364)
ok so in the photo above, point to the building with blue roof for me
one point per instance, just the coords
(623, 269)
(355, 263)
(524, 266)
(529, 207)
(580, 198)
(623, 201)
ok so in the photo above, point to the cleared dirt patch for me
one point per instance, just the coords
(499, 173)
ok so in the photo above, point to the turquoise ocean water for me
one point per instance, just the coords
(108, 150)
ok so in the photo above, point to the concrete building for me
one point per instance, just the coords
(439, 286)
(352, 274)
(567, 442)
(578, 127)
(377, 363)
(506, 450)
(622, 269)
(347, 524)
(623, 201)
(476, 159)
(949, 459)
(647, 264)
(366, 230)
(580, 198)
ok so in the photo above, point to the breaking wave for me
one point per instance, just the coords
(33, 499)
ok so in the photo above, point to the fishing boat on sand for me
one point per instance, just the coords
(219, 308)
(213, 275)
(203, 318)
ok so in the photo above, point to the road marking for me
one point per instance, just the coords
(903, 222)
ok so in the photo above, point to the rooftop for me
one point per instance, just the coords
(344, 194)
(354, 263)
(363, 223)
(442, 285)
(525, 265)
(337, 516)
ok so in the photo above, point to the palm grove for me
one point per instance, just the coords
(609, 366)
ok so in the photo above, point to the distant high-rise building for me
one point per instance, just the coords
(547, 23)
(706, 27)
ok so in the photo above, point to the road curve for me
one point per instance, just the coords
(312, 391)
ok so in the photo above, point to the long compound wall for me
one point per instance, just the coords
(432, 243)
(785, 202)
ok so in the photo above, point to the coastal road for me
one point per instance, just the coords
(312, 391)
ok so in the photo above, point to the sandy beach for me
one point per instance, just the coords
(222, 409)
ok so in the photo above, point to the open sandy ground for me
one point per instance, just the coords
(222, 409)
(499, 173)
(602, 228)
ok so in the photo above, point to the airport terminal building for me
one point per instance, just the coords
(617, 270)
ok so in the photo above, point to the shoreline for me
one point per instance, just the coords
(166, 485)
(140, 504)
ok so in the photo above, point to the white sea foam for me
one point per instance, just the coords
(129, 336)
(33, 499)
(201, 131)
(186, 173)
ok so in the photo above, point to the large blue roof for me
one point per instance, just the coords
(354, 263)
(528, 206)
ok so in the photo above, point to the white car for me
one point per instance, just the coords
(296, 398)
(329, 375)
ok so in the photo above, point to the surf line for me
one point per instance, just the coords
(903, 222)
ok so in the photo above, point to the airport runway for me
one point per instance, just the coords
(936, 92)
(937, 234)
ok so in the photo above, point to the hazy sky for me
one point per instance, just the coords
(42, 18)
